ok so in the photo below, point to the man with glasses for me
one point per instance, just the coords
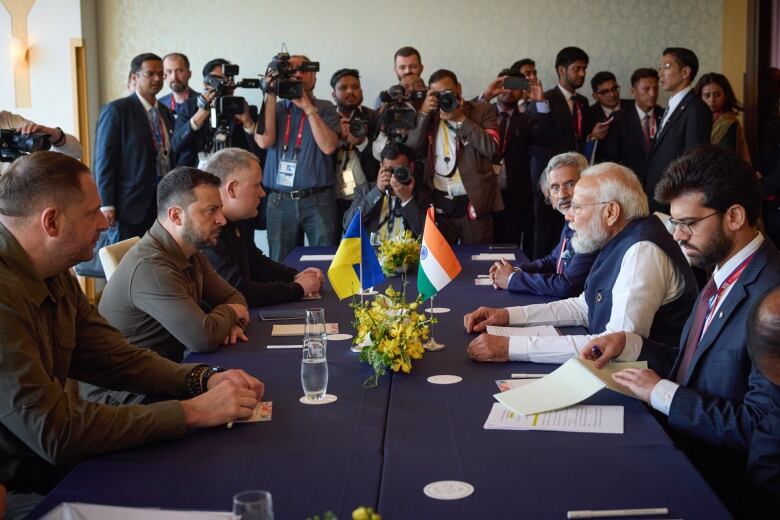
(640, 281)
(599, 116)
(713, 395)
(133, 151)
(562, 272)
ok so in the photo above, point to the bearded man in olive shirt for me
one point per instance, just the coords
(49, 221)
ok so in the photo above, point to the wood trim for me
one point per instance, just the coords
(80, 99)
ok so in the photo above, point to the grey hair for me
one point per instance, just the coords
(228, 160)
(620, 184)
(573, 159)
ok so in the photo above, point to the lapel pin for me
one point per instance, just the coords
(720, 315)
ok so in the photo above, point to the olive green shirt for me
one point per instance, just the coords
(156, 294)
(49, 332)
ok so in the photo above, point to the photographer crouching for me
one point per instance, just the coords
(300, 134)
(21, 136)
(392, 204)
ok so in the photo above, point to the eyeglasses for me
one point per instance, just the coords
(577, 208)
(687, 227)
(150, 74)
(569, 185)
(605, 91)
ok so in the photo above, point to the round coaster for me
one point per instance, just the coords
(448, 490)
(437, 310)
(338, 337)
(326, 399)
(445, 379)
(370, 293)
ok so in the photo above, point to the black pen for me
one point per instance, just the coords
(596, 351)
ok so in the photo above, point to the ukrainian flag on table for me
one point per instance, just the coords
(438, 264)
(345, 270)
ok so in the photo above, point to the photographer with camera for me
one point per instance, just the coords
(182, 100)
(392, 204)
(300, 134)
(459, 139)
(413, 94)
(354, 162)
(21, 136)
(406, 61)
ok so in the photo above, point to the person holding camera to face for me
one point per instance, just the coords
(26, 137)
(355, 164)
(300, 134)
(393, 203)
(459, 139)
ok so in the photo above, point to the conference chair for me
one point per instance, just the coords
(110, 256)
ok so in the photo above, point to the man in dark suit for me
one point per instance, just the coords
(599, 116)
(459, 139)
(182, 100)
(133, 151)
(633, 129)
(517, 132)
(714, 396)
(687, 121)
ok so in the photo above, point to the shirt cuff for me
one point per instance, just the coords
(107, 208)
(543, 107)
(517, 316)
(632, 349)
(518, 348)
(662, 395)
(508, 283)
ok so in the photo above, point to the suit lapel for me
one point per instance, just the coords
(674, 117)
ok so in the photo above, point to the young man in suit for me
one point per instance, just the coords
(459, 139)
(687, 121)
(713, 395)
(133, 151)
(182, 101)
(633, 130)
(599, 116)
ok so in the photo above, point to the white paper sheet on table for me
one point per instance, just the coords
(77, 511)
(483, 281)
(570, 384)
(536, 330)
(579, 419)
(494, 257)
(297, 329)
(317, 258)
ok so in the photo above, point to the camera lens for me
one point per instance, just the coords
(358, 127)
(402, 174)
(448, 102)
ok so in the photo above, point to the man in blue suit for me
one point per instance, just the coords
(182, 101)
(562, 273)
(133, 151)
(714, 396)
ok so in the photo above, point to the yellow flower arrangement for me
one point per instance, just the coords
(391, 333)
(398, 254)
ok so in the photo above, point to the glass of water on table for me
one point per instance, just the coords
(314, 365)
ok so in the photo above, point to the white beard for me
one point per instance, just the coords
(590, 239)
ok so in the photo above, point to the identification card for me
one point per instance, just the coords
(347, 182)
(286, 174)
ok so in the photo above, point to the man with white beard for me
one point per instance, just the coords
(640, 282)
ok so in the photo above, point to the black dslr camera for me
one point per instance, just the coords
(13, 144)
(280, 77)
(448, 101)
(358, 126)
(399, 115)
(225, 106)
(402, 174)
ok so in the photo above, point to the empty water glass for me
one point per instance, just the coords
(314, 365)
(253, 505)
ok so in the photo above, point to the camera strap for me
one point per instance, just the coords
(298, 137)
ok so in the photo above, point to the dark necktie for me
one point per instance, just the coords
(503, 122)
(646, 131)
(700, 315)
(576, 115)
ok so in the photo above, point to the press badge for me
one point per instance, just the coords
(286, 174)
(348, 182)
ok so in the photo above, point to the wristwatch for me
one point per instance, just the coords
(197, 380)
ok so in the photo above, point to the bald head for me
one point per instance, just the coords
(764, 335)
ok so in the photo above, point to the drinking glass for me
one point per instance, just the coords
(253, 505)
(314, 365)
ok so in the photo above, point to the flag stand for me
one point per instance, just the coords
(432, 345)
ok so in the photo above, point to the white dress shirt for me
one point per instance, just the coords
(673, 102)
(663, 392)
(567, 95)
(647, 280)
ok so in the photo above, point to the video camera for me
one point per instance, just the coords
(279, 77)
(13, 144)
(225, 106)
(399, 115)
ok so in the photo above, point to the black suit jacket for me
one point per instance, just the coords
(125, 157)
(565, 139)
(595, 114)
(625, 142)
(688, 126)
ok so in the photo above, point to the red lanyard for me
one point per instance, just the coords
(173, 104)
(298, 138)
(713, 301)
(559, 267)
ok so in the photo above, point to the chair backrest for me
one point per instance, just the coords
(110, 256)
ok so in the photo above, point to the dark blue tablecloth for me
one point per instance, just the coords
(380, 447)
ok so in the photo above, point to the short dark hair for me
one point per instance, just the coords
(684, 58)
(177, 187)
(210, 65)
(645, 72)
(393, 151)
(511, 72)
(731, 103)
(405, 52)
(441, 74)
(40, 179)
(522, 63)
(763, 334)
(601, 77)
(342, 73)
(138, 62)
(569, 55)
(182, 57)
(719, 174)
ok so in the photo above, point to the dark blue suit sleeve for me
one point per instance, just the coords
(108, 150)
(185, 137)
(566, 285)
(764, 456)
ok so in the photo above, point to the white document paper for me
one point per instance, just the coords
(77, 511)
(494, 257)
(275, 347)
(578, 419)
(317, 258)
(537, 330)
(483, 281)
(570, 384)
(297, 329)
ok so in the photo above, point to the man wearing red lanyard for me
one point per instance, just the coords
(181, 100)
(300, 135)
(714, 396)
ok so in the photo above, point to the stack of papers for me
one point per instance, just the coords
(317, 258)
(494, 257)
(76, 511)
(579, 419)
(539, 330)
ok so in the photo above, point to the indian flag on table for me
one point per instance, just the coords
(438, 265)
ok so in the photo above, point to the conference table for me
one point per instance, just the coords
(380, 447)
